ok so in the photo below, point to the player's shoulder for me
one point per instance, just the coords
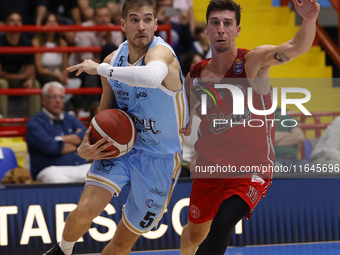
(108, 58)
(198, 66)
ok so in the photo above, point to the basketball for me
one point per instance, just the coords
(118, 127)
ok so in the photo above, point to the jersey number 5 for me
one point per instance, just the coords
(148, 219)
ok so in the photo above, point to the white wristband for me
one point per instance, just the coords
(104, 69)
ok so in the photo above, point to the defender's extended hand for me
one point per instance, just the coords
(307, 9)
(88, 66)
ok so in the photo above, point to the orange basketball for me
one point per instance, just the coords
(118, 127)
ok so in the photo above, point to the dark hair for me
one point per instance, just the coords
(42, 37)
(10, 12)
(199, 28)
(222, 5)
(129, 4)
(186, 61)
(100, 6)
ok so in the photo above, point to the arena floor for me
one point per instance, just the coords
(327, 248)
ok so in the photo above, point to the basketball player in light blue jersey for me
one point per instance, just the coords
(144, 77)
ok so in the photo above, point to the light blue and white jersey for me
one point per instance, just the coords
(159, 114)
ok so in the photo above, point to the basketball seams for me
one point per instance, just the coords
(121, 128)
(102, 133)
(126, 145)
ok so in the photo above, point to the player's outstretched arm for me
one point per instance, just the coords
(268, 55)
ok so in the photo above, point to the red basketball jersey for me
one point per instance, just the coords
(237, 145)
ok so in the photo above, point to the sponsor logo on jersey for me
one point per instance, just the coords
(148, 141)
(158, 192)
(141, 94)
(148, 124)
(106, 166)
(122, 95)
(238, 66)
(256, 178)
(195, 212)
(149, 203)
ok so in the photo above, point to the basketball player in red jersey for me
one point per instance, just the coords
(217, 204)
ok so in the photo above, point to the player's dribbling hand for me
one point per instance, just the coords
(87, 150)
(307, 9)
(87, 66)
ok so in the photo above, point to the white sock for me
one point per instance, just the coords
(66, 247)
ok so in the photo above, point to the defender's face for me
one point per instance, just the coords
(140, 26)
(222, 30)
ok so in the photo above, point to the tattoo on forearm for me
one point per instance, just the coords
(281, 57)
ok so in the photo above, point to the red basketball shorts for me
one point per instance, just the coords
(208, 194)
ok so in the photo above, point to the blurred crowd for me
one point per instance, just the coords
(188, 39)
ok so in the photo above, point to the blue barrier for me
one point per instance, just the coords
(294, 210)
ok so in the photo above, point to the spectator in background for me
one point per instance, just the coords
(51, 66)
(94, 38)
(188, 60)
(186, 6)
(17, 70)
(87, 8)
(327, 150)
(52, 139)
(31, 11)
(288, 141)
(67, 10)
(202, 43)
(69, 14)
(181, 38)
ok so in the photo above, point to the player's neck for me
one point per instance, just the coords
(136, 53)
(221, 62)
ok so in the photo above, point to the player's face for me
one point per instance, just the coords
(140, 26)
(54, 101)
(222, 30)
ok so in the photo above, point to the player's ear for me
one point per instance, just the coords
(122, 24)
(156, 23)
(238, 30)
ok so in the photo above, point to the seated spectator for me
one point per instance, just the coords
(68, 13)
(188, 60)
(51, 66)
(202, 43)
(52, 139)
(17, 70)
(288, 142)
(186, 6)
(31, 11)
(93, 38)
(327, 150)
(181, 38)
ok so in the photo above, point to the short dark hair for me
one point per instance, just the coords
(99, 6)
(129, 4)
(222, 5)
(10, 12)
